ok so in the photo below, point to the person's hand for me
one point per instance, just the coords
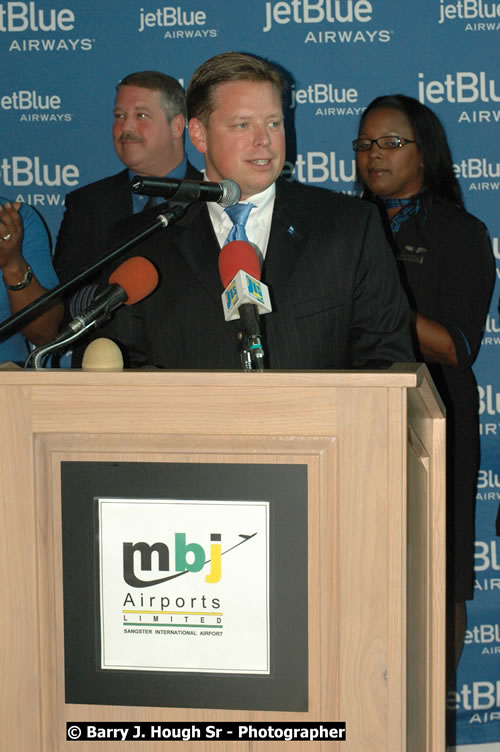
(11, 238)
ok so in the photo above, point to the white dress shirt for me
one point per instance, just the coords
(258, 225)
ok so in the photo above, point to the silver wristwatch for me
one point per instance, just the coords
(26, 280)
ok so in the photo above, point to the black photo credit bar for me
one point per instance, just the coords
(241, 731)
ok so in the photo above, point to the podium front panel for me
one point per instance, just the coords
(345, 435)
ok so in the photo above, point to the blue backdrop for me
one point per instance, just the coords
(60, 62)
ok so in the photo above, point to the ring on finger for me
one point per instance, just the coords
(7, 237)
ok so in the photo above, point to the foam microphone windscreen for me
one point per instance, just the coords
(238, 255)
(137, 276)
(102, 355)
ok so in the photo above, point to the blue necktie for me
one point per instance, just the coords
(238, 214)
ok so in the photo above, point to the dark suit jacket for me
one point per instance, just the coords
(86, 235)
(87, 226)
(336, 295)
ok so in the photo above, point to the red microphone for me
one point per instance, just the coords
(138, 278)
(129, 283)
(238, 255)
(244, 297)
(136, 275)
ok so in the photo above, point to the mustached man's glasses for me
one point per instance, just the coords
(386, 142)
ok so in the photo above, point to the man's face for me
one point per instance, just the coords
(143, 138)
(244, 139)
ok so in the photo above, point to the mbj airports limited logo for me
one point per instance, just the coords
(479, 15)
(332, 16)
(171, 564)
(188, 557)
(175, 600)
(26, 19)
(177, 560)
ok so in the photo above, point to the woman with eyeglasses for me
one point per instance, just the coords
(447, 269)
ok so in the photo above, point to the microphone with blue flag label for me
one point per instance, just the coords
(244, 297)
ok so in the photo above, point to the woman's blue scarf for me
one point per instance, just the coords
(409, 207)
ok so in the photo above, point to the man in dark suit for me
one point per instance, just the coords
(337, 300)
(148, 136)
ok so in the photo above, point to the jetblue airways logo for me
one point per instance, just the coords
(320, 93)
(169, 16)
(319, 166)
(468, 10)
(327, 21)
(23, 16)
(462, 87)
(48, 25)
(24, 171)
(318, 11)
(489, 400)
(34, 107)
(176, 23)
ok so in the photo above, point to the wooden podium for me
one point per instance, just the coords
(373, 444)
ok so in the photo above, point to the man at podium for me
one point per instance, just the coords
(334, 288)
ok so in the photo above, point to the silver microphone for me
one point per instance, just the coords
(226, 192)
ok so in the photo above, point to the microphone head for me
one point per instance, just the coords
(230, 193)
(238, 255)
(137, 276)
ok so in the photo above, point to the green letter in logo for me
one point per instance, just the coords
(181, 551)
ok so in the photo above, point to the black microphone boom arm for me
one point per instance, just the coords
(36, 307)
